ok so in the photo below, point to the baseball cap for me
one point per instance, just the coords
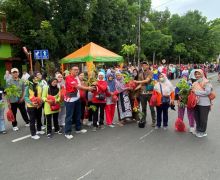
(14, 70)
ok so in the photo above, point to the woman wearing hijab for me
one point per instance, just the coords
(82, 93)
(62, 113)
(202, 88)
(34, 102)
(164, 91)
(99, 101)
(110, 101)
(123, 104)
(51, 97)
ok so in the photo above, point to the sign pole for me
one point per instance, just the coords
(42, 62)
(31, 63)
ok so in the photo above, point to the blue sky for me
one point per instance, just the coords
(209, 8)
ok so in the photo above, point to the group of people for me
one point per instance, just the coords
(68, 100)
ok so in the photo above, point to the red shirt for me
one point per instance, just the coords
(71, 84)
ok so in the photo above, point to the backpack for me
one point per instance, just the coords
(192, 100)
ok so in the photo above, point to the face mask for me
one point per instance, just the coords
(135, 74)
(199, 80)
(162, 79)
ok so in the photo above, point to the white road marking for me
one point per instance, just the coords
(89, 172)
(146, 134)
(21, 138)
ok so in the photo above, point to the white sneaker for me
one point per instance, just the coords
(165, 128)
(199, 134)
(192, 130)
(27, 125)
(35, 137)
(111, 125)
(40, 132)
(15, 128)
(43, 127)
(205, 134)
(89, 123)
(157, 128)
(69, 136)
(82, 131)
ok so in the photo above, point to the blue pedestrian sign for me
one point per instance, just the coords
(41, 54)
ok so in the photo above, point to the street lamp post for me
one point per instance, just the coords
(139, 33)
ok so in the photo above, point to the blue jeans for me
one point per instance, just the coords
(2, 121)
(163, 108)
(73, 111)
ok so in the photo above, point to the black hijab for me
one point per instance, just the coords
(53, 90)
(33, 85)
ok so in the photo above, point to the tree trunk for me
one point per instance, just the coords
(154, 57)
(179, 59)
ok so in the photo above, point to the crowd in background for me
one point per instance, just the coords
(67, 100)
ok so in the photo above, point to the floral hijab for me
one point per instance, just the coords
(201, 83)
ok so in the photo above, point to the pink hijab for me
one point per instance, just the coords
(200, 85)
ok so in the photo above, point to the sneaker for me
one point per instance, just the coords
(35, 137)
(40, 132)
(69, 136)
(199, 134)
(43, 127)
(58, 132)
(111, 125)
(27, 125)
(15, 128)
(192, 130)
(102, 127)
(157, 127)
(89, 123)
(3, 132)
(153, 125)
(165, 128)
(49, 135)
(82, 131)
(205, 134)
(94, 129)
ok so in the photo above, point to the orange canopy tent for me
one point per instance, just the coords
(91, 52)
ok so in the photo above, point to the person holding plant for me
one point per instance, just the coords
(33, 101)
(51, 98)
(2, 109)
(15, 92)
(164, 91)
(146, 84)
(202, 88)
(181, 95)
(72, 102)
(123, 103)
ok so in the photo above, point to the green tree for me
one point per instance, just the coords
(180, 49)
(129, 50)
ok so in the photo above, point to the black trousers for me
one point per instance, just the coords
(201, 117)
(162, 109)
(55, 122)
(90, 112)
(83, 106)
(34, 117)
(22, 109)
(100, 106)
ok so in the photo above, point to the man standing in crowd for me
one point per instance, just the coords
(72, 102)
(15, 103)
(145, 81)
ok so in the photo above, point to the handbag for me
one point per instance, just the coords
(55, 107)
(192, 100)
(100, 96)
(165, 99)
(153, 99)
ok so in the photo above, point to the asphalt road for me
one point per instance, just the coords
(120, 153)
